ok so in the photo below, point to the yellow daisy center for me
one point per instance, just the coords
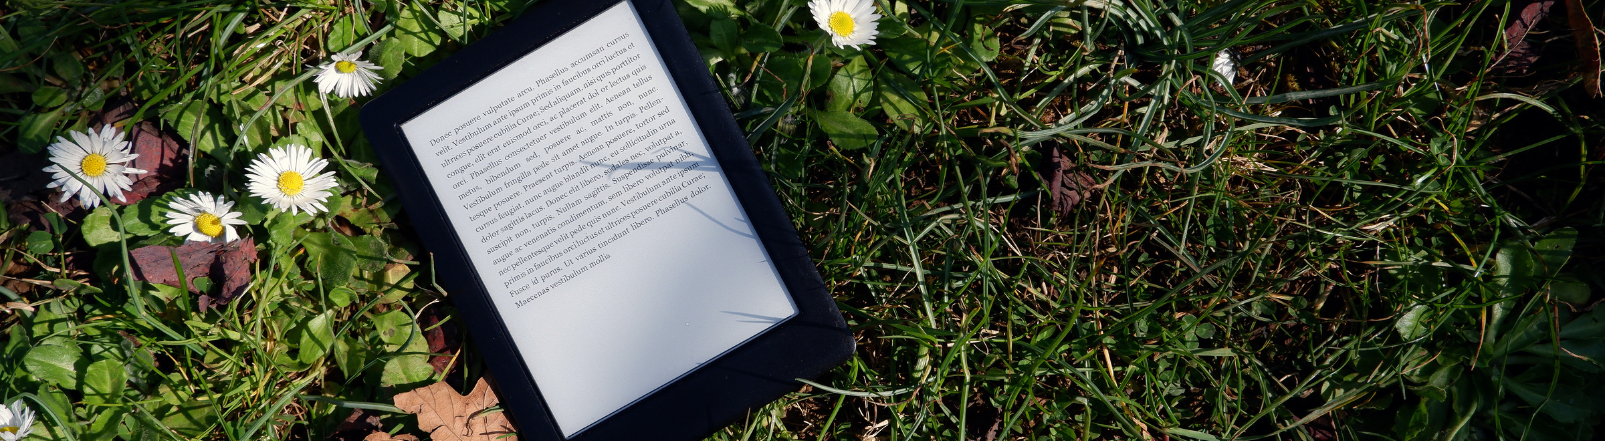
(93, 165)
(9, 429)
(208, 224)
(841, 23)
(345, 67)
(291, 183)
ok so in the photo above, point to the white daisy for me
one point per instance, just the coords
(1225, 66)
(849, 22)
(347, 76)
(203, 218)
(16, 422)
(288, 179)
(99, 158)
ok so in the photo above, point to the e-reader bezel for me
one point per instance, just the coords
(708, 398)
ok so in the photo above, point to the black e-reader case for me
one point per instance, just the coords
(708, 398)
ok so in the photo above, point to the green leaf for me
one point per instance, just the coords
(902, 100)
(36, 130)
(1410, 324)
(192, 419)
(984, 42)
(390, 55)
(51, 400)
(394, 328)
(141, 219)
(40, 242)
(1554, 250)
(1561, 405)
(406, 370)
(761, 38)
(1569, 291)
(98, 229)
(416, 37)
(1513, 274)
(724, 34)
(913, 55)
(49, 96)
(316, 337)
(202, 125)
(720, 6)
(850, 87)
(104, 425)
(282, 227)
(104, 381)
(253, 210)
(259, 132)
(334, 261)
(458, 23)
(342, 296)
(55, 364)
(1530, 329)
(342, 33)
(1590, 326)
(847, 131)
(67, 66)
(349, 356)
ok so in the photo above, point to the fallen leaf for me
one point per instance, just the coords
(161, 157)
(452, 417)
(362, 424)
(381, 436)
(442, 338)
(115, 112)
(1587, 45)
(1066, 187)
(229, 262)
(22, 176)
(1521, 54)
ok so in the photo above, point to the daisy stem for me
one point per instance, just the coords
(50, 412)
(128, 270)
(288, 87)
(339, 156)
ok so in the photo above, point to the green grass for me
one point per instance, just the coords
(1372, 235)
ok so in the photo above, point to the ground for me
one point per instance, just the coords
(1041, 220)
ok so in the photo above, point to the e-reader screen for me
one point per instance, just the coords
(593, 211)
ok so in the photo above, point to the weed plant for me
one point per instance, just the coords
(1043, 220)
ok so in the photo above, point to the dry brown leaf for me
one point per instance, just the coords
(161, 156)
(1066, 187)
(1587, 45)
(359, 426)
(227, 264)
(441, 334)
(381, 436)
(452, 417)
(1521, 54)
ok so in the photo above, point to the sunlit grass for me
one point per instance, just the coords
(1370, 234)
